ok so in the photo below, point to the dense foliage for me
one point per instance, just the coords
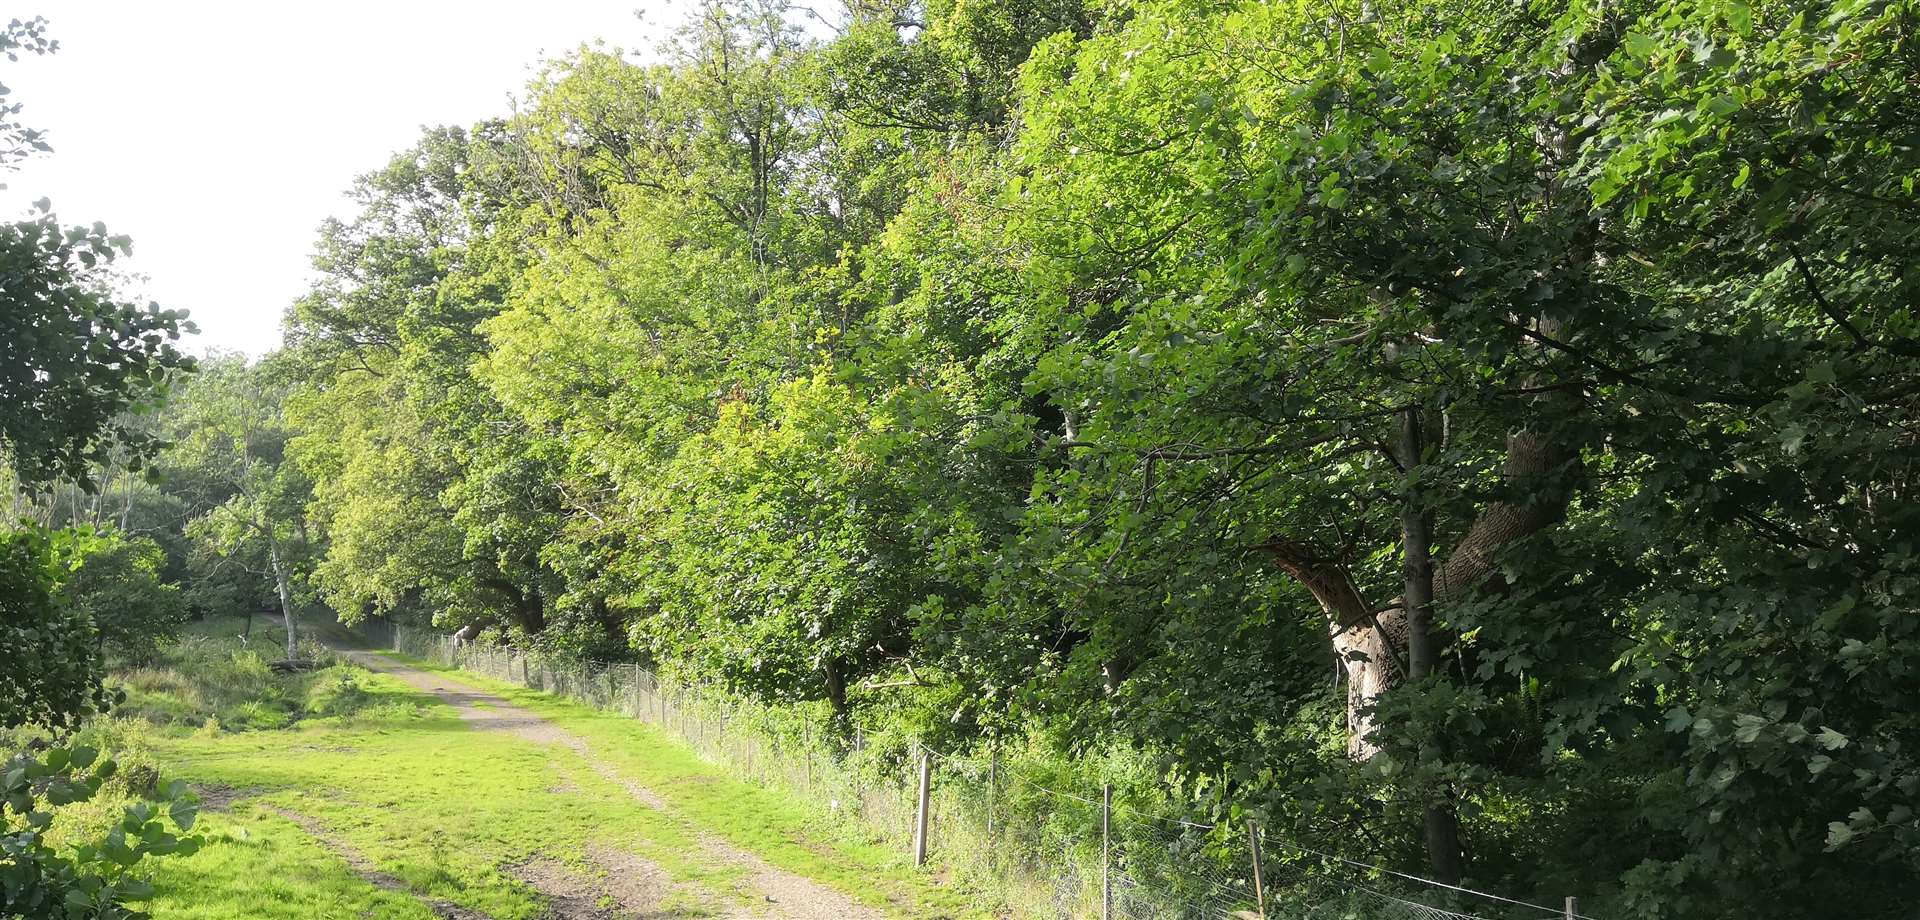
(1474, 438)
(118, 583)
(79, 367)
(53, 670)
(94, 880)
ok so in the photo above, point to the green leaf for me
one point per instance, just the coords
(184, 812)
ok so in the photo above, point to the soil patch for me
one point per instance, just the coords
(621, 886)
(217, 798)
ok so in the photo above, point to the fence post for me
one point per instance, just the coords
(1106, 851)
(920, 824)
(1572, 904)
(1259, 885)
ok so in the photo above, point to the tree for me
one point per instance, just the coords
(234, 434)
(1371, 311)
(17, 141)
(429, 500)
(74, 360)
(1400, 422)
(117, 582)
(73, 355)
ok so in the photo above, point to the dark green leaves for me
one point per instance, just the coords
(73, 358)
(93, 879)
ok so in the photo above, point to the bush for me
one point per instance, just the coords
(50, 673)
(39, 878)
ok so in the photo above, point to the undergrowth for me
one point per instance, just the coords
(218, 675)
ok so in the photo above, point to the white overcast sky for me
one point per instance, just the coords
(218, 135)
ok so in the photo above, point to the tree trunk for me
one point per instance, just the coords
(836, 690)
(1369, 641)
(1364, 641)
(1416, 553)
(1440, 825)
(281, 582)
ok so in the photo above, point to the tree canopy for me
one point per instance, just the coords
(1477, 439)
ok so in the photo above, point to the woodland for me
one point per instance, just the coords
(1477, 439)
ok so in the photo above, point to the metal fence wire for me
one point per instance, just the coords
(1066, 855)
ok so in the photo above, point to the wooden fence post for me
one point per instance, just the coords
(1572, 904)
(1259, 884)
(920, 824)
(1106, 851)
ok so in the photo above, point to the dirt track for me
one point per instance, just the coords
(782, 893)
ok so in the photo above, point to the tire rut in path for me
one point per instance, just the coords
(785, 894)
(638, 887)
(363, 867)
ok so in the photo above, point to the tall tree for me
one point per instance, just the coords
(1403, 421)
(75, 361)
(235, 434)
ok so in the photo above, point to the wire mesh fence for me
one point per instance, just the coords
(1050, 852)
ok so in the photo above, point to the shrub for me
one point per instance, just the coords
(39, 878)
(115, 581)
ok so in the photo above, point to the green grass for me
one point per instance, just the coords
(422, 797)
(257, 864)
(788, 833)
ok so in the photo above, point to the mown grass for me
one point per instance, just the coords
(787, 832)
(257, 864)
(396, 777)
(441, 807)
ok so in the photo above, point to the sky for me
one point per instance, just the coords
(219, 135)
